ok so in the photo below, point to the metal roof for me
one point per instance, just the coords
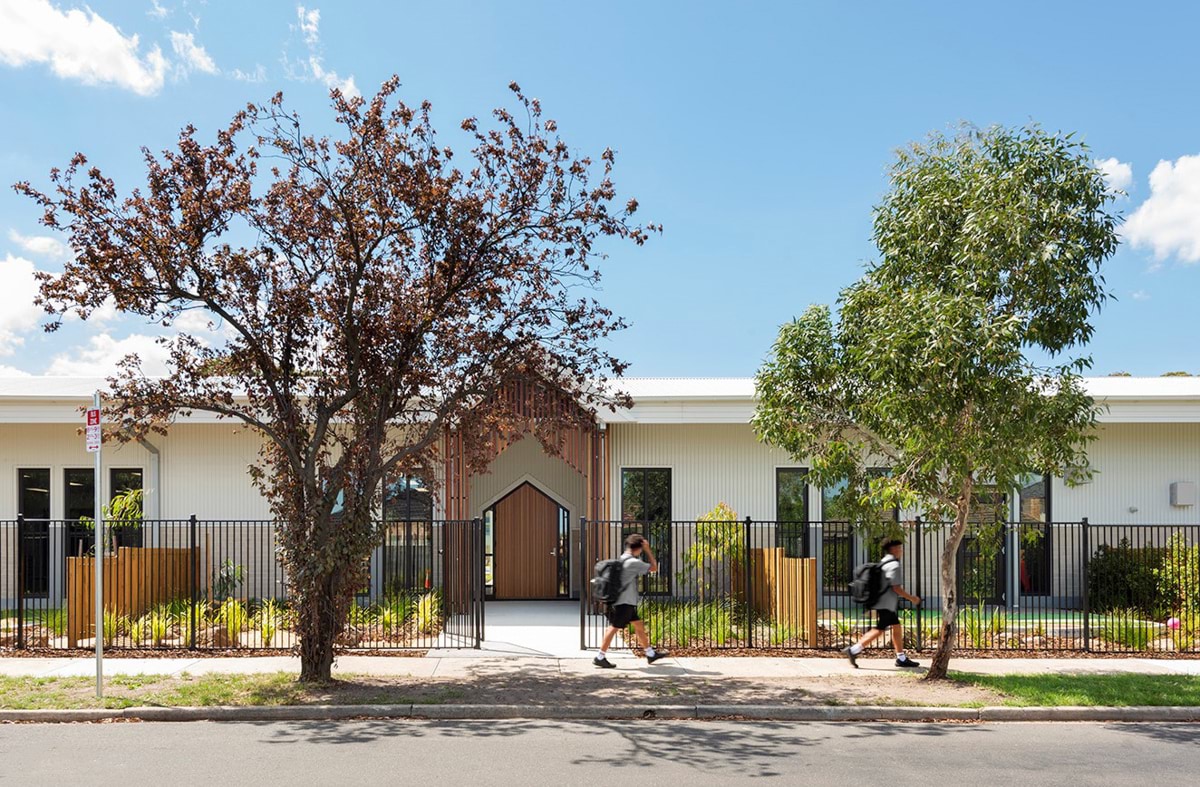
(652, 388)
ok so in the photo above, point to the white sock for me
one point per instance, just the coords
(649, 651)
(603, 654)
(902, 656)
(856, 648)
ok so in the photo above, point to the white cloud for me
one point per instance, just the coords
(332, 80)
(1168, 222)
(1118, 174)
(41, 245)
(259, 74)
(18, 314)
(12, 371)
(100, 356)
(314, 67)
(1140, 295)
(77, 44)
(192, 55)
(157, 11)
(309, 22)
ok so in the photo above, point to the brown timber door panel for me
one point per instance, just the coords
(526, 544)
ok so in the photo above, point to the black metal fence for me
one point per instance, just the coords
(1062, 586)
(203, 584)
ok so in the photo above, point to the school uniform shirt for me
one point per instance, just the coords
(893, 575)
(631, 569)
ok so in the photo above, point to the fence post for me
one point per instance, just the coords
(748, 591)
(20, 582)
(917, 584)
(477, 550)
(193, 556)
(584, 584)
(1087, 612)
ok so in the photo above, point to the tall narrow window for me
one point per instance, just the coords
(33, 503)
(1034, 534)
(127, 530)
(980, 563)
(33, 493)
(79, 493)
(791, 510)
(838, 536)
(646, 507)
(408, 545)
(646, 494)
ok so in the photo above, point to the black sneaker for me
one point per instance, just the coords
(853, 658)
(907, 662)
(603, 663)
(658, 654)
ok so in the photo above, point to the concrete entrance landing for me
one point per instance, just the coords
(547, 629)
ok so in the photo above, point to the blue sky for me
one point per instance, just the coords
(759, 134)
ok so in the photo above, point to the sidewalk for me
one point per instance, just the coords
(464, 665)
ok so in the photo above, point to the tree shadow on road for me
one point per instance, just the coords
(1167, 732)
(744, 748)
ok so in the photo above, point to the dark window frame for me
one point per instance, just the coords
(33, 549)
(792, 532)
(1042, 583)
(127, 535)
(408, 498)
(658, 529)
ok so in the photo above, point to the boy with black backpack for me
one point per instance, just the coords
(616, 583)
(880, 586)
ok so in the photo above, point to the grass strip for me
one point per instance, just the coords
(1114, 690)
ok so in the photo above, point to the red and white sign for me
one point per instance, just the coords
(93, 430)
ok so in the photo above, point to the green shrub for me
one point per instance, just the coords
(361, 617)
(719, 541)
(1178, 577)
(1125, 577)
(1126, 627)
(683, 623)
(972, 622)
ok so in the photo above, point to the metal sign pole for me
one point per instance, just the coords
(94, 444)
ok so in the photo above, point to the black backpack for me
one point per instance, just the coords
(606, 582)
(868, 584)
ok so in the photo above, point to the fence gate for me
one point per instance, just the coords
(463, 585)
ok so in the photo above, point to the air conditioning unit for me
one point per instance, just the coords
(1183, 493)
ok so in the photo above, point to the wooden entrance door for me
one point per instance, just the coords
(526, 545)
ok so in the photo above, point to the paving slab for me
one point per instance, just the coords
(487, 662)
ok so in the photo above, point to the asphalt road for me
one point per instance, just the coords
(555, 753)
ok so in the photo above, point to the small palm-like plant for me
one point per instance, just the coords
(429, 613)
(267, 620)
(159, 624)
(233, 618)
(114, 624)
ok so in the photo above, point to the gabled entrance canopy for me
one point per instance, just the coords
(582, 447)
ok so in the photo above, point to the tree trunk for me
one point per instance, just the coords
(940, 665)
(319, 626)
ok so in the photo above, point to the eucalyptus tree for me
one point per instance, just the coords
(956, 360)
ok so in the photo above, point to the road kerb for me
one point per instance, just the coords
(447, 712)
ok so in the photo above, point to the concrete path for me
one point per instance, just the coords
(461, 666)
(526, 628)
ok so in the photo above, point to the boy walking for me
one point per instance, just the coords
(624, 612)
(886, 607)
